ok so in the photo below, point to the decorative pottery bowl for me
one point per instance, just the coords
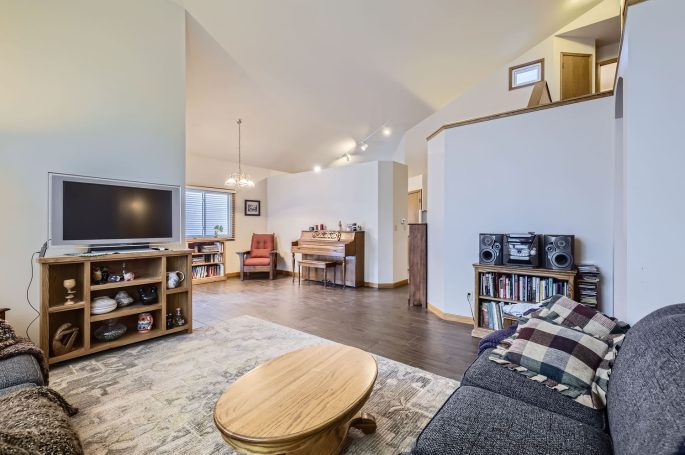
(110, 330)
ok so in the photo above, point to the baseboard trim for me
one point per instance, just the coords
(285, 272)
(367, 284)
(396, 284)
(232, 274)
(449, 316)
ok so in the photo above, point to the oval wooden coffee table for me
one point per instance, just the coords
(303, 402)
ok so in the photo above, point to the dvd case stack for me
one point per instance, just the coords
(588, 284)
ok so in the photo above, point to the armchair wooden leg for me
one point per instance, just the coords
(242, 274)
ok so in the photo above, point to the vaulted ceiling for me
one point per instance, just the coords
(310, 78)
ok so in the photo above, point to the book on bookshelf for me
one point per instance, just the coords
(494, 315)
(207, 271)
(522, 288)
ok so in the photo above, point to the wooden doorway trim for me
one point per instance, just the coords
(416, 217)
(420, 196)
(598, 68)
(561, 72)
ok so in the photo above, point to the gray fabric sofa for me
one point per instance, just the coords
(497, 411)
(19, 372)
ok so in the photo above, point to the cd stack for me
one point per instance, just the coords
(588, 284)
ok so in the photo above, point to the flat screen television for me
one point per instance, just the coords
(94, 211)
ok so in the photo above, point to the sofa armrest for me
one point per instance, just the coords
(20, 369)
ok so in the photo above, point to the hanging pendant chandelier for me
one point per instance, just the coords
(238, 180)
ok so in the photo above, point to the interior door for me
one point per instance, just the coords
(576, 75)
(606, 75)
(415, 205)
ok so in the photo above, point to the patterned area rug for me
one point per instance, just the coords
(158, 397)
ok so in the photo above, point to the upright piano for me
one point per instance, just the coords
(346, 248)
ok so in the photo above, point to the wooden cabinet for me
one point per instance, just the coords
(418, 264)
(150, 269)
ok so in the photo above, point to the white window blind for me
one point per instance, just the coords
(206, 209)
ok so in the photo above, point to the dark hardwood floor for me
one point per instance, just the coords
(375, 320)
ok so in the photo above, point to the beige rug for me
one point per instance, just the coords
(158, 397)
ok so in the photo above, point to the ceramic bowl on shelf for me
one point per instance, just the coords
(102, 305)
(110, 330)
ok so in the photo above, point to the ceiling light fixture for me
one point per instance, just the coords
(239, 179)
(348, 157)
(384, 128)
(317, 168)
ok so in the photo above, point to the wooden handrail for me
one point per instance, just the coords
(525, 110)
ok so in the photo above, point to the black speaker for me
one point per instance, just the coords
(490, 247)
(558, 253)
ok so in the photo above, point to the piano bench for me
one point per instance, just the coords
(324, 265)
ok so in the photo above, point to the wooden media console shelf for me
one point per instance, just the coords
(150, 270)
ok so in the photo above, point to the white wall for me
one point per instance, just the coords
(549, 171)
(361, 193)
(90, 88)
(653, 154)
(492, 95)
(210, 172)
(607, 51)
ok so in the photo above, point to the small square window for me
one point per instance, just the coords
(526, 74)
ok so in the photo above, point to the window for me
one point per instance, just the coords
(208, 208)
(526, 74)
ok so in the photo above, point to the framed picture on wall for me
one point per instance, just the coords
(253, 208)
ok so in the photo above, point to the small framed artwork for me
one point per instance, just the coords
(253, 208)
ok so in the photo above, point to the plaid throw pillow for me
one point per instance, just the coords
(567, 312)
(600, 385)
(564, 355)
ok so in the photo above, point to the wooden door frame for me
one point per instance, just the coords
(420, 191)
(561, 71)
(599, 65)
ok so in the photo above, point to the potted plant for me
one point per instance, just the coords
(218, 229)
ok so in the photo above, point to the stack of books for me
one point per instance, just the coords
(588, 284)
(213, 248)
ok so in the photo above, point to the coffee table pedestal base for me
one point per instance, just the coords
(330, 442)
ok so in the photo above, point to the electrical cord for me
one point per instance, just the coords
(28, 288)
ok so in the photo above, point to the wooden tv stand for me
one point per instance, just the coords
(150, 269)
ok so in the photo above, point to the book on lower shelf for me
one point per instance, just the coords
(208, 271)
(494, 316)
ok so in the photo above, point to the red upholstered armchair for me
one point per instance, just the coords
(262, 256)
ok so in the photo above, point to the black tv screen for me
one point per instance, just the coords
(92, 211)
